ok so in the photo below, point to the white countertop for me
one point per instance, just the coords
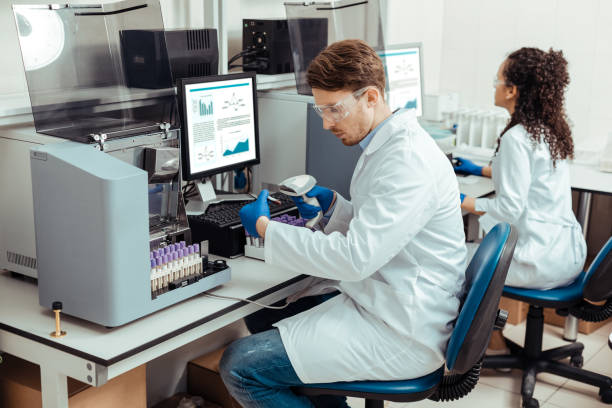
(590, 178)
(19, 309)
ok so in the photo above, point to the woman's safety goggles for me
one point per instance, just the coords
(341, 109)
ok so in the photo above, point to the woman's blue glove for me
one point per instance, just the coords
(465, 166)
(325, 196)
(250, 213)
(461, 197)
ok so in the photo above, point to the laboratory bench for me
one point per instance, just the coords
(94, 354)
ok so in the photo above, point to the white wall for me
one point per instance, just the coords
(418, 21)
(478, 34)
(12, 77)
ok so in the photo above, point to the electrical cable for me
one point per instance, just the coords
(246, 300)
(241, 54)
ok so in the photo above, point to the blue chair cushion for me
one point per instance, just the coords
(418, 388)
(557, 297)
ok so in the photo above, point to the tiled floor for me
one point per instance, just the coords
(503, 390)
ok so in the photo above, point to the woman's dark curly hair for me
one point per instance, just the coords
(541, 78)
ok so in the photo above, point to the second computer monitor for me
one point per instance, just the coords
(220, 132)
(403, 66)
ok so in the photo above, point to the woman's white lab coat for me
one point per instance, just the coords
(535, 197)
(396, 253)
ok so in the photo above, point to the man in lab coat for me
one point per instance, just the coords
(395, 253)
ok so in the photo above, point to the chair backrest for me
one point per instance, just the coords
(484, 283)
(598, 278)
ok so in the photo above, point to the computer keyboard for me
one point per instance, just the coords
(220, 225)
(228, 212)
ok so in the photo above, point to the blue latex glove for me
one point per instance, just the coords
(465, 166)
(461, 197)
(325, 196)
(250, 213)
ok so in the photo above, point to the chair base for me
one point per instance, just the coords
(533, 360)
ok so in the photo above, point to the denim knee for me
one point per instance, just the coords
(230, 359)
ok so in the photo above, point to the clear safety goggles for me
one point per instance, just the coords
(341, 109)
(498, 82)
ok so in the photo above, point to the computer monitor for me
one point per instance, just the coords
(404, 69)
(219, 123)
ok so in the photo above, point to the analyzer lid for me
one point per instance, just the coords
(75, 61)
(316, 24)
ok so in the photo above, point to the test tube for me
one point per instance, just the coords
(183, 262)
(158, 269)
(188, 269)
(198, 259)
(166, 270)
(179, 263)
(153, 271)
(172, 263)
(189, 258)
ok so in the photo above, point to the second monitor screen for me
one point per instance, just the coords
(221, 124)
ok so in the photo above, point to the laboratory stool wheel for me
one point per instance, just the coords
(606, 395)
(530, 403)
(576, 361)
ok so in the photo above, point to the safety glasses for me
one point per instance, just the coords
(498, 82)
(341, 109)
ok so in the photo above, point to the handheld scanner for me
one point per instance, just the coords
(298, 186)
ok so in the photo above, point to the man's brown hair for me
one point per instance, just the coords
(347, 64)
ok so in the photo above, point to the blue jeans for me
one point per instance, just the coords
(256, 369)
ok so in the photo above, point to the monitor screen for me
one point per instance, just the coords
(219, 115)
(404, 77)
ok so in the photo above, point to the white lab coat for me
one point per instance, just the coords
(535, 197)
(397, 254)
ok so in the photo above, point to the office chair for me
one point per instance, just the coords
(477, 318)
(596, 285)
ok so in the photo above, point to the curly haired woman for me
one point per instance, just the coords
(531, 175)
(530, 172)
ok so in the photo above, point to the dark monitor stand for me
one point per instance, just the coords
(208, 195)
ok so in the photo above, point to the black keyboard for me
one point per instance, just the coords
(227, 213)
(221, 224)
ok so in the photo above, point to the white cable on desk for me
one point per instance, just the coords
(247, 300)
